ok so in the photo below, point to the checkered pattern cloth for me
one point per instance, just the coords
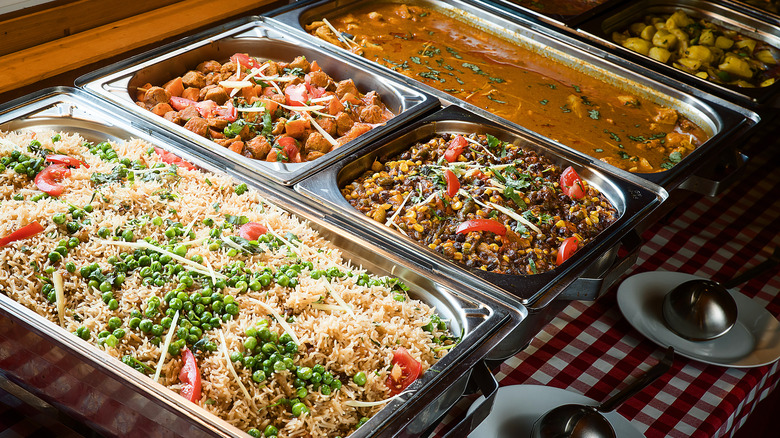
(591, 349)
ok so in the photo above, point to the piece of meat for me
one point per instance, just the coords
(174, 87)
(372, 98)
(666, 116)
(301, 63)
(198, 125)
(206, 67)
(173, 116)
(354, 132)
(155, 95)
(316, 143)
(217, 94)
(328, 124)
(343, 123)
(237, 147)
(371, 114)
(258, 147)
(191, 93)
(162, 108)
(319, 79)
(194, 78)
(346, 86)
(188, 113)
(217, 123)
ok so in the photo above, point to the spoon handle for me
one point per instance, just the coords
(632, 389)
(755, 271)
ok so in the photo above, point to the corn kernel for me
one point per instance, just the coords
(506, 258)
(404, 167)
(457, 256)
(494, 246)
(417, 227)
(457, 205)
(560, 224)
(432, 245)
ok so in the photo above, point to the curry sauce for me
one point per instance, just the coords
(515, 83)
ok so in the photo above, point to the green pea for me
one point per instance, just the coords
(113, 304)
(106, 286)
(157, 221)
(291, 347)
(304, 373)
(299, 409)
(127, 235)
(242, 286)
(144, 261)
(325, 390)
(283, 280)
(157, 330)
(180, 250)
(166, 322)
(88, 208)
(336, 385)
(62, 250)
(317, 377)
(165, 259)
(134, 322)
(54, 256)
(270, 430)
(70, 267)
(360, 378)
(146, 325)
(103, 334)
(197, 258)
(250, 343)
(301, 392)
(258, 376)
(253, 432)
(59, 218)
(77, 214)
(111, 341)
(279, 366)
(232, 252)
(119, 333)
(114, 322)
(269, 348)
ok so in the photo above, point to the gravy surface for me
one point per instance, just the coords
(512, 82)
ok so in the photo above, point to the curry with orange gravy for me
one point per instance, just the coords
(515, 83)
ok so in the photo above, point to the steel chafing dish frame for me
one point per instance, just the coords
(599, 28)
(754, 11)
(117, 83)
(98, 389)
(633, 200)
(725, 120)
(557, 20)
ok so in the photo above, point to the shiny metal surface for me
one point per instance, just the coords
(580, 421)
(117, 83)
(600, 27)
(699, 310)
(632, 201)
(724, 120)
(66, 371)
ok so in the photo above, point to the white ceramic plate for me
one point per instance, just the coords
(517, 407)
(753, 341)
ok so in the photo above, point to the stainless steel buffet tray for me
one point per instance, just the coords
(755, 10)
(118, 83)
(117, 400)
(556, 16)
(725, 121)
(634, 201)
(599, 29)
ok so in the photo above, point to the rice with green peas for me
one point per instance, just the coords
(145, 248)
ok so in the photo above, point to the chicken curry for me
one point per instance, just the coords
(515, 83)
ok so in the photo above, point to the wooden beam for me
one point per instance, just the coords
(60, 19)
(49, 59)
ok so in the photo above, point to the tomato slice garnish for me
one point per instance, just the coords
(456, 147)
(252, 230)
(567, 248)
(171, 158)
(571, 184)
(179, 103)
(453, 185)
(64, 159)
(227, 112)
(296, 95)
(48, 179)
(25, 232)
(406, 370)
(292, 152)
(245, 60)
(491, 225)
(189, 377)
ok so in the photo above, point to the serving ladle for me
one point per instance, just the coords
(701, 310)
(581, 421)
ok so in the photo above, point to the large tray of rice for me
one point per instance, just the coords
(147, 268)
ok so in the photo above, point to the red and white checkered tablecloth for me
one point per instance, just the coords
(591, 349)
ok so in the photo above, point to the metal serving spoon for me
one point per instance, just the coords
(580, 421)
(700, 310)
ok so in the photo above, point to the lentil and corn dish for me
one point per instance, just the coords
(186, 276)
(532, 89)
(703, 48)
(267, 110)
(482, 202)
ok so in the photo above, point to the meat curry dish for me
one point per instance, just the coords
(510, 81)
(267, 110)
